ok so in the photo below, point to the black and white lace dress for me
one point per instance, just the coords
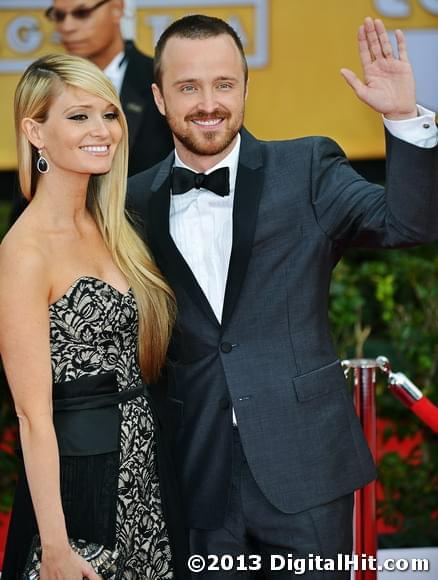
(105, 427)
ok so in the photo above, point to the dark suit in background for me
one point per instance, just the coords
(150, 139)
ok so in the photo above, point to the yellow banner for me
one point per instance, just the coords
(295, 49)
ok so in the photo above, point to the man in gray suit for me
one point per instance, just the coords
(268, 447)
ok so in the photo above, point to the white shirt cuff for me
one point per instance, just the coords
(420, 131)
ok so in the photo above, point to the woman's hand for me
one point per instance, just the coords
(65, 564)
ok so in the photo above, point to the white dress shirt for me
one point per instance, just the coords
(201, 225)
(116, 69)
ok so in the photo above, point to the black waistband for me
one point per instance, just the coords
(98, 401)
(86, 414)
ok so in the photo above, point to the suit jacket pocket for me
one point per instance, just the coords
(322, 381)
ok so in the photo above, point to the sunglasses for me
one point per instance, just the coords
(80, 13)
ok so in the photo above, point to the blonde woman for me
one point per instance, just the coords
(85, 320)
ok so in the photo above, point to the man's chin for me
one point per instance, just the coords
(77, 49)
(210, 145)
(208, 151)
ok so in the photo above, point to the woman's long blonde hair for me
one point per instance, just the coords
(39, 85)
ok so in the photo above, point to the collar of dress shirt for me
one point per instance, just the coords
(115, 71)
(231, 161)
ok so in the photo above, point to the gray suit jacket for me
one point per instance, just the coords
(298, 206)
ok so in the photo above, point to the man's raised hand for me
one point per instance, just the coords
(389, 85)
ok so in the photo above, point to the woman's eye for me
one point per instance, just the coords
(79, 117)
(111, 116)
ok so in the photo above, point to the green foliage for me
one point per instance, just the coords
(387, 303)
(410, 488)
(4, 216)
(8, 462)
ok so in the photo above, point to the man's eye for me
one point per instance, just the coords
(81, 13)
(79, 117)
(225, 86)
(188, 89)
(111, 116)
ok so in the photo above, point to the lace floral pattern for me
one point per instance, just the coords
(93, 330)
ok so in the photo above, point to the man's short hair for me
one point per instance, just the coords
(195, 26)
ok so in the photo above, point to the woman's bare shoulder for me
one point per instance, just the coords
(24, 256)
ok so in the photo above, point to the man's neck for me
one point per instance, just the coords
(104, 57)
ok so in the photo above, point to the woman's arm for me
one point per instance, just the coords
(25, 351)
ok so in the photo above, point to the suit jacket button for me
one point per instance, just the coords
(224, 403)
(226, 347)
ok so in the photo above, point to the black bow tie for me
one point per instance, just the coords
(217, 181)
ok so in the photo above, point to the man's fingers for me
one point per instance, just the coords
(373, 39)
(364, 51)
(355, 83)
(385, 44)
(401, 45)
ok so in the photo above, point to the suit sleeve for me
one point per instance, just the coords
(355, 212)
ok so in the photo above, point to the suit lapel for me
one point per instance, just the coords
(248, 189)
(249, 184)
(171, 262)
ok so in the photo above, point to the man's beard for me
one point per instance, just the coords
(209, 142)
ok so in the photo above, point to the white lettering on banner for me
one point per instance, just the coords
(158, 24)
(258, 59)
(236, 24)
(403, 8)
(430, 5)
(393, 8)
(33, 4)
(23, 34)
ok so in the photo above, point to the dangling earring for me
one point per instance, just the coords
(42, 163)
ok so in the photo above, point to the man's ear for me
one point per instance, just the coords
(246, 89)
(117, 10)
(32, 130)
(158, 97)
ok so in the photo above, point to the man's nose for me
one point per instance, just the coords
(69, 24)
(209, 101)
